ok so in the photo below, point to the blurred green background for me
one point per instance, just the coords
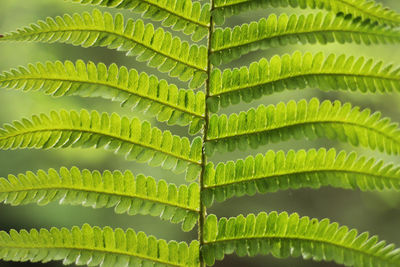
(378, 213)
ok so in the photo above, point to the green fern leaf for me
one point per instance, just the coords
(140, 195)
(291, 236)
(94, 246)
(135, 139)
(366, 9)
(296, 120)
(229, 44)
(298, 72)
(157, 47)
(276, 171)
(190, 17)
(143, 92)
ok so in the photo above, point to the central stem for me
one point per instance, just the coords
(203, 210)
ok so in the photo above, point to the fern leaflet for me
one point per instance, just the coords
(366, 9)
(95, 246)
(135, 139)
(283, 236)
(302, 119)
(159, 48)
(140, 195)
(314, 168)
(229, 44)
(298, 72)
(190, 17)
(133, 89)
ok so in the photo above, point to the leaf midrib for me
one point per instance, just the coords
(107, 85)
(322, 73)
(89, 131)
(304, 171)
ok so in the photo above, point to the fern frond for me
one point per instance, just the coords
(190, 17)
(300, 71)
(135, 139)
(297, 120)
(159, 48)
(133, 89)
(276, 171)
(229, 44)
(140, 195)
(366, 9)
(291, 236)
(94, 246)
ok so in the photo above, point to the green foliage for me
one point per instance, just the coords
(343, 21)
(298, 71)
(283, 236)
(313, 168)
(159, 48)
(94, 246)
(366, 9)
(268, 124)
(134, 139)
(140, 195)
(229, 44)
(137, 90)
(191, 18)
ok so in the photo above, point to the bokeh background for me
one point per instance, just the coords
(377, 212)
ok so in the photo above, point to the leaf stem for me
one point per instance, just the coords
(203, 211)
